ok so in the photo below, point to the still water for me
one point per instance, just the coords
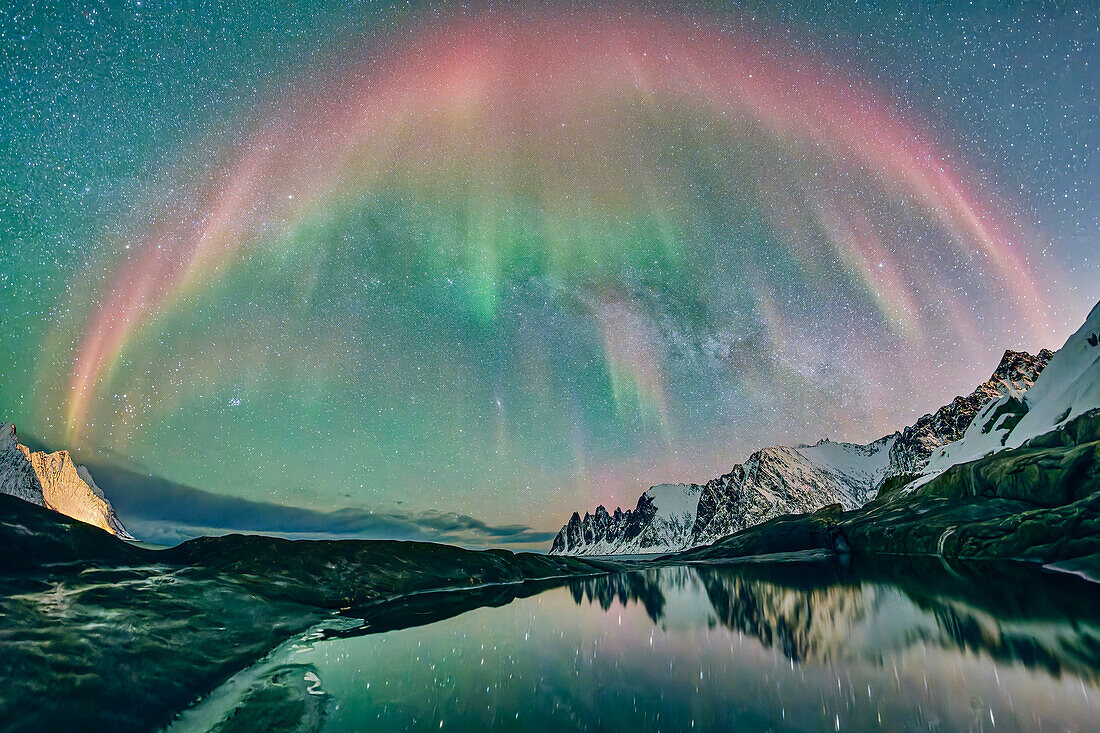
(803, 648)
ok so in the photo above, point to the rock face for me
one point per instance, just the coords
(1068, 388)
(53, 481)
(783, 480)
(915, 445)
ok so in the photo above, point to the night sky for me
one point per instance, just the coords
(513, 261)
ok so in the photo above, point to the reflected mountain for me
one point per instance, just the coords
(643, 587)
(821, 612)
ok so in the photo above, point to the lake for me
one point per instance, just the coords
(794, 647)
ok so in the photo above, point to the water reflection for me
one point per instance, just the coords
(816, 611)
(902, 646)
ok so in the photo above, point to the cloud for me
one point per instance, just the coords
(164, 512)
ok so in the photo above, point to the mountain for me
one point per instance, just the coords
(915, 444)
(1069, 388)
(1022, 483)
(53, 481)
(782, 480)
(663, 519)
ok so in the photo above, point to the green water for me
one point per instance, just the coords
(699, 648)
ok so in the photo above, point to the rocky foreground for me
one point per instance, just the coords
(101, 634)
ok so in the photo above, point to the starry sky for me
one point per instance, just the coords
(512, 260)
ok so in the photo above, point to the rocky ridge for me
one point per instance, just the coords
(781, 480)
(664, 514)
(915, 444)
(54, 481)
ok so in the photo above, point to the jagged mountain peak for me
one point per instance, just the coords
(1016, 372)
(1018, 367)
(54, 481)
(1067, 387)
(662, 519)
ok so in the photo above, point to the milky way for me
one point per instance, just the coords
(499, 258)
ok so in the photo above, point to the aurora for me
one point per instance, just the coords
(538, 365)
(549, 248)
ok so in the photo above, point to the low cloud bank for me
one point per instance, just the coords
(163, 512)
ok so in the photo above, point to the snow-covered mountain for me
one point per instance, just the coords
(783, 480)
(915, 444)
(663, 518)
(53, 481)
(1068, 387)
